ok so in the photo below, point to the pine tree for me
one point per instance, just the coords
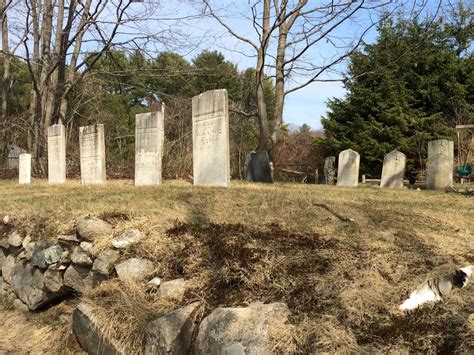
(402, 91)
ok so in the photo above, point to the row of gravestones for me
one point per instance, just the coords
(211, 157)
(440, 166)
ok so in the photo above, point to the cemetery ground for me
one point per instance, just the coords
(342, 259)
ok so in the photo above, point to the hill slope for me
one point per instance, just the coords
(342, 259)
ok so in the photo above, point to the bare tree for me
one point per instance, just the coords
(287, 37)
(61, 41)
(6, 81)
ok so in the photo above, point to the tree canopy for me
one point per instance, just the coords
(409, 87)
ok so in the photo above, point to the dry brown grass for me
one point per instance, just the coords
(342, 281)
(122, 311)
(37, 333)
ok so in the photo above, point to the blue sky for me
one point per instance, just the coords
(303, 106)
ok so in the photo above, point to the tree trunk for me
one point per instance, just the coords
(264, 138)
(279, 82)
(6, 82)
(70, 76)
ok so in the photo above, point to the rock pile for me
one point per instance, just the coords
(34, 273)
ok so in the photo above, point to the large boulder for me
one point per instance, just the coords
(90, 228)
(81, 279)
(53, 278)
(127, 238)
(172, 333)
(45, 253)
(172, 290)
(28, 284)
(88, 334)
(80, 257)
(240, 330)
(7, 268)
(134, 269)
(105, 261)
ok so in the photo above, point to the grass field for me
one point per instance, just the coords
(343, 259)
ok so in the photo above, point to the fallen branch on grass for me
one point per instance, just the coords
(329, 209)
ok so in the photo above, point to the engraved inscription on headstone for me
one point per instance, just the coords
(393, 170)
(56, 154)
(149, 139)
(24, 168)
(330, 170)
(440, 164)
(348, 168)
(211, 156)
(92, 150)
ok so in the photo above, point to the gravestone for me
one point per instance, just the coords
(393, 170)
(211, 156)
(24, 168)
(13, 157)
(92, 151)
(348, 168)
(56, 154)
(440, 164)
(330, 170)
(149, 140)
(258, 167)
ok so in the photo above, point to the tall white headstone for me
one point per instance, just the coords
(393, 170)
(24, 168)
(56, 154)
(348, 168)
(92, 150)
(440, 164)
(149, 140)
(211, 156)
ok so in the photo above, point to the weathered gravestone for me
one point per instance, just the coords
(92, 151)
(149, 139)
(258, 167)
(440, 164)
(348, 168)
(211, 156)
(330, 170)
(24, 168)
(393, 170)
(56, 154)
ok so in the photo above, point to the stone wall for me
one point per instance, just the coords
(38, 272)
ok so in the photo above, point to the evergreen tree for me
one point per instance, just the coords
(402, 91)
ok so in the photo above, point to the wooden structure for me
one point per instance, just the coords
(465, 146)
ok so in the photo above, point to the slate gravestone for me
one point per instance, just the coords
(393, 170)
(56, 154)
(348, 168)
(211, 156)
(149, 140)
(92, 151)
(13, 157)
(24, 168)
(440, 164)
(330, 170)
(258, 167)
